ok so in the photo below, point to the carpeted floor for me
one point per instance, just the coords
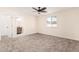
(38, 43)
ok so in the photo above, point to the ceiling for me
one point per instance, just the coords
(49, 10)
(30, 11)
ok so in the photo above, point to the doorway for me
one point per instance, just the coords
(5, 26)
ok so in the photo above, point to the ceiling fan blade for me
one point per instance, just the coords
(43, 8)
(44, 11)
(34, 8)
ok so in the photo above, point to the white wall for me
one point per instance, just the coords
(67, 20)
(68, 24)
(29, 25)
(28, 22)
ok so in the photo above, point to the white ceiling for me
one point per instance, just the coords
(29, 10)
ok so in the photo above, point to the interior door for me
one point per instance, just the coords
(6, 26)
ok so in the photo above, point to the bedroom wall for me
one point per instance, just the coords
(67, 24)
(28, 22)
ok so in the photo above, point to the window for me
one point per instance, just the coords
(52, 21)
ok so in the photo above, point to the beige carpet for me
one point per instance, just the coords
(38, 43)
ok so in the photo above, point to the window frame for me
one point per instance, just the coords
(52, 21)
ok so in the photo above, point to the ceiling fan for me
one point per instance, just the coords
(40, 9)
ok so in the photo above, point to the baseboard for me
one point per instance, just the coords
(60, 36)
(19, 35)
